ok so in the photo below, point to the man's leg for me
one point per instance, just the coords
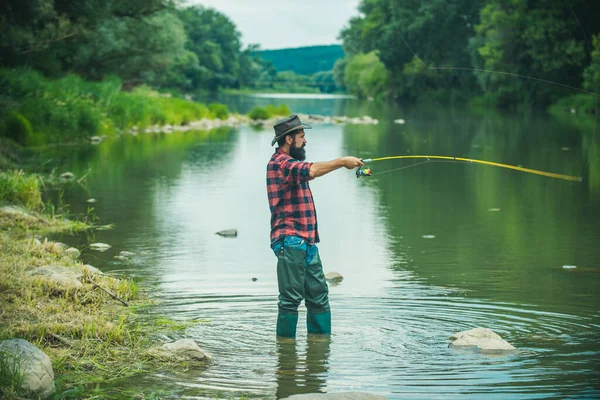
(318, 317)
(291, 272)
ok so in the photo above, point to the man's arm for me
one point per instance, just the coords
(323, 167)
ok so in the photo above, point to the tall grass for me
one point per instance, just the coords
(20, 189)
(37, 110)
(11, 377)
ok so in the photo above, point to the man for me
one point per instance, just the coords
(294, 233)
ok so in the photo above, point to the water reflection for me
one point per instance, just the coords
(302, 372)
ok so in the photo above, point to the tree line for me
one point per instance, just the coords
(440, 49)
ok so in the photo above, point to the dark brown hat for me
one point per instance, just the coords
(288, 125)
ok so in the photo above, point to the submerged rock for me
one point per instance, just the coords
(182, 350)
(336, 396)
(73, 252)
(127, 254)
(480, 338)
(228, 233)
(399, 121)
(34, 365)
(333, 277)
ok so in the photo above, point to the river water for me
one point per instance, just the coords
(425, 251)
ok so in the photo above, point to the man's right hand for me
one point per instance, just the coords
(352, 162)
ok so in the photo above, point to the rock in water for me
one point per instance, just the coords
(228, 233)
(333, 277)
(481, 338)
(34, 365)
(100, 246)
(182, 350)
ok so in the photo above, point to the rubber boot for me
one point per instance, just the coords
(319, 323)
(286, 325)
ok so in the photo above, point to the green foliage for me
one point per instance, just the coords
(20, 189)
(73, 108)
(304, 60)
(11, 377)
(366, 76)
(269, 111)
(591, 75)
(259, 113)
(218, 110)
(17, 128)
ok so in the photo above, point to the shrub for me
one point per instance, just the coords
(258, 113)
(17, 128)
(218, 110)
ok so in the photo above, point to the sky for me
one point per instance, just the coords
(277, 24)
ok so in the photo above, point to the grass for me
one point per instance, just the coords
(90, 337)
(36, 110)
(269, 111)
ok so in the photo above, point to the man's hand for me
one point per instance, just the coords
(352, 162)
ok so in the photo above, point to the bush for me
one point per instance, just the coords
(219, 110)
(20, 189)
(259, 113)
(282, 110)
(17, 128)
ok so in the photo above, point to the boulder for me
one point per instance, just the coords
(34, 365)
(228, 233)
(336, 396)
(480, 338)
(92, 270)
(182, 350)
(333, 277)
(63, 276)
(72, 252)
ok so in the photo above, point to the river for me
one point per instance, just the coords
(425, 251)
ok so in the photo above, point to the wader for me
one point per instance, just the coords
(300, 277)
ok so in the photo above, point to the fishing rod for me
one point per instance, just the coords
(366, 171)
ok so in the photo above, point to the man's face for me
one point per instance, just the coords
(297, 150)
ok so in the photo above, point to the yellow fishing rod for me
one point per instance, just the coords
(366, 171)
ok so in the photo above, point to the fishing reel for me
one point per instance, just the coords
(363, 171)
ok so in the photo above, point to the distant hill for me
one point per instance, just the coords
(304, 60)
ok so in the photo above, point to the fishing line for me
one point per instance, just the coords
(432, 68)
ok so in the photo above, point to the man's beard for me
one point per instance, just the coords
(298, 153)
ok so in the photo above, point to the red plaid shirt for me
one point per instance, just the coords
(290, 199)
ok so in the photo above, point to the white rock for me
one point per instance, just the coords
(34, 365)
(100, 246)
(228, 233)
(91, 200)
(67, 176)
(481, 338)
(399, 121)
(333, 277)
(127, 254)
(569, 266)
(428, 236)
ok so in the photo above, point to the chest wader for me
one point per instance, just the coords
(300, 277)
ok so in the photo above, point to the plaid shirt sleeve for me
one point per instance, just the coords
(294, 171)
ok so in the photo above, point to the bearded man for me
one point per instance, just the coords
(294, 233)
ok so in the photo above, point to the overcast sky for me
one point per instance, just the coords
(277, 24)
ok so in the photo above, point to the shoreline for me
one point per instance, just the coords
(86, 321)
